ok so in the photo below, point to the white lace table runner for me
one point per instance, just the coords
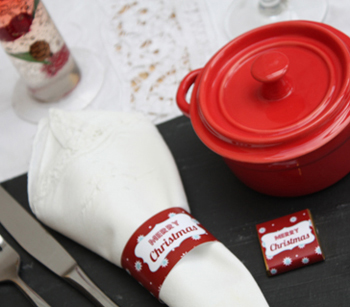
(153, 44)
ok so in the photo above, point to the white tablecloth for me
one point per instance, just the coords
(146, 47)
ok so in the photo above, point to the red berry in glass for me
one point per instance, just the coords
(15, 19)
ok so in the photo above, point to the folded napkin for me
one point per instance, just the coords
(96, 176)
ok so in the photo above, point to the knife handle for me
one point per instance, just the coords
(79, 279)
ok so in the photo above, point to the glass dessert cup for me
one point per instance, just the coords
(50, 74)
(88, 82)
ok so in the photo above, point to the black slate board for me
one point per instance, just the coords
(228, 209)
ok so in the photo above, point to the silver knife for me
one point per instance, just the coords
(38, 242)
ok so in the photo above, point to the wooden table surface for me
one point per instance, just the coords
(228, 209)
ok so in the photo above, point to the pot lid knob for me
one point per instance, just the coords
(270, 69)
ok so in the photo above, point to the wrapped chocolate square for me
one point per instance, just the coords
(109, 182)
(289, 242)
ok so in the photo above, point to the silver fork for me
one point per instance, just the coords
(9, 266)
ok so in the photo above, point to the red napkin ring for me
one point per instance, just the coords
(161, 242)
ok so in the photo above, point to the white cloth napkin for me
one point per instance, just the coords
(96, 176)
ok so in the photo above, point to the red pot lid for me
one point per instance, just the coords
(274, 93)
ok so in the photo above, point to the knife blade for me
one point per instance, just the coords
(38, 242)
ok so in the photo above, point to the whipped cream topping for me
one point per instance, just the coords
(96, 176)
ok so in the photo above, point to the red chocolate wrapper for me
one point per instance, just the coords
(289, 242)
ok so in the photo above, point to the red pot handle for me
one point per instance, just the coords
(185, 85)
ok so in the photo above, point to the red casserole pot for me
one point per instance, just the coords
(274, 103)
